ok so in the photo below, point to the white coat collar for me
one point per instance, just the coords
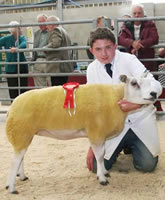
(105, 76)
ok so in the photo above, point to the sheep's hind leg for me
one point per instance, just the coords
(101, 171)
(20, 172)
(17, 166)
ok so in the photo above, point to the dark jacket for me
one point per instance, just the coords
(148, 36)
(9, 41)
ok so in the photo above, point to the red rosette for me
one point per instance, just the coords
(69, 87)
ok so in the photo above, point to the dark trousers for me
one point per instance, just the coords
(143, 160)
(58, 80)
(14, 82)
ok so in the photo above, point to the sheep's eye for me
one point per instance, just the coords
(135, 84)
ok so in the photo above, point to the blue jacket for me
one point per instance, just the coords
(9, 41)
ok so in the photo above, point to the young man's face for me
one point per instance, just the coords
(103, 50)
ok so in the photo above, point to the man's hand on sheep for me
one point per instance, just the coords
(127, 106)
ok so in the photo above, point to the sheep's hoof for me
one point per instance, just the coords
(107, 175)
(14, 192)
(26, 178)
(104, 182)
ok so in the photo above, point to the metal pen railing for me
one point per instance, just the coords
(65, 48)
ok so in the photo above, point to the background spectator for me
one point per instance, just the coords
(40, 40)
(161, 68)
(13, 42)
(127, 23)
(161, 52)
(58, 38)
(138, 37)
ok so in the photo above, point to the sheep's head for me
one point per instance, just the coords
(139, 90)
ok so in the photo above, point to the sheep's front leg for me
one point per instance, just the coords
(101, 171)
(16, 164)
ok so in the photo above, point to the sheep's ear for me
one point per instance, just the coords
(123, 78)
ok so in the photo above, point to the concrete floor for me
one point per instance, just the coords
(4, 93)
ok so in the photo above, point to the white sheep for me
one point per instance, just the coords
(41, 112)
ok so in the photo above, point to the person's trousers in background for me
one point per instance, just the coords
(15, 82)
(58, 80)
(42, 81)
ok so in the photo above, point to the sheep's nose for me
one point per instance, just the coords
(153, 94)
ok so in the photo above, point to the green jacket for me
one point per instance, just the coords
(9, 41)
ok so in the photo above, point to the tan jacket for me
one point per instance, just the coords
(59, 38)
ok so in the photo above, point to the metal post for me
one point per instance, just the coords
(106, 23)
(59, 9)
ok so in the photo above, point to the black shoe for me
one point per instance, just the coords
(127, 150)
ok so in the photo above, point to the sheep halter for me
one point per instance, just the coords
(70, 89)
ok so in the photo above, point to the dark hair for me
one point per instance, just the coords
(101, 33)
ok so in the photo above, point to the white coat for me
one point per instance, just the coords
(141, 121)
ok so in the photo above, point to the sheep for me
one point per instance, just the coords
(41, 112)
